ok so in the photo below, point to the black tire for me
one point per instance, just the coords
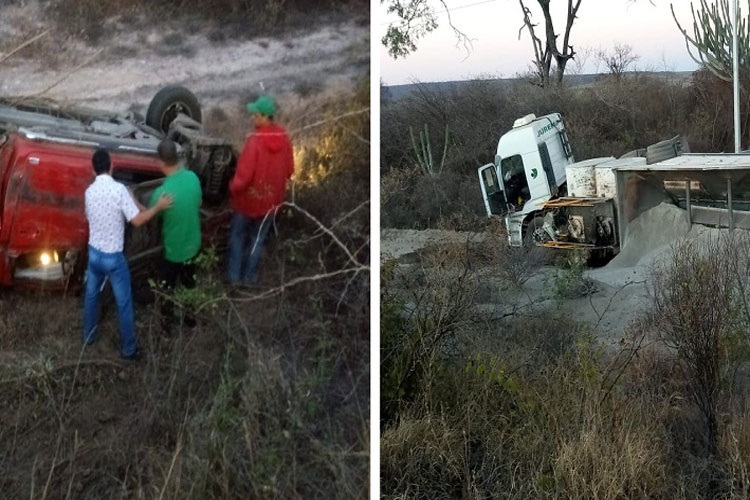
(599, 257)
(539, 255)
(529, 240)
(167, 103)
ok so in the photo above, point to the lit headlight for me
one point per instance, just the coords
(46, 258)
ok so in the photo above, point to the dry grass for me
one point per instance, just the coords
(266, 398)
(538, 410)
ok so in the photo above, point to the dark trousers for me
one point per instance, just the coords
(246, 240)
(170, 273)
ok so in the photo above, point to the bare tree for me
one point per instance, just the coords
(618, 59)
(416, 18)
(546, 52)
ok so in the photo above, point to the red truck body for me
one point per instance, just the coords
(45, 169)
(42, 208)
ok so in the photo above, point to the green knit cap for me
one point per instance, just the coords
(264, 105)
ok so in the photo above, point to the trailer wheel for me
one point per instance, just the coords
(168, 103)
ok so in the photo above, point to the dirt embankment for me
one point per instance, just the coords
(126, 70)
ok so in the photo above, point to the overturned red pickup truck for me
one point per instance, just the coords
(45, 168)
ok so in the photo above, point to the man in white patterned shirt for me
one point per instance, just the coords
(109, 205)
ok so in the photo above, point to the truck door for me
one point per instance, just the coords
(492, 191)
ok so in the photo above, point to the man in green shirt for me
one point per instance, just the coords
(181, 228)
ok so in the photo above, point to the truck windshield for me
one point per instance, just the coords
(514, 180)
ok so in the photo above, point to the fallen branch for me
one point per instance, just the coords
(336, 222)
(272, 292)
(329, 120)
(67, 75)
(24, 45)
(317, 222)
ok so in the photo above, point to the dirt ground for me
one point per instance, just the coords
(617, 293)
(125, 71)
(608, 308)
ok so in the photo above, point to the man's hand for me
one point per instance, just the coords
(165, 201)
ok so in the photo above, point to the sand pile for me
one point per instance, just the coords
(650, 239)
(650, 234)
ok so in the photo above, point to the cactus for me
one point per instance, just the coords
(424, 151)
(712, 39)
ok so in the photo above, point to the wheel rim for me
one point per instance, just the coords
(535, 233)
(539, 235)
(171, 113)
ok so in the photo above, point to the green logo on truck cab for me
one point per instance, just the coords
(547, 128)
(533, 173)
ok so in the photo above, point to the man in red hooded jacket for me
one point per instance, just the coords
(257, 189)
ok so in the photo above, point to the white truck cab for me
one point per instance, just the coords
(529, 169)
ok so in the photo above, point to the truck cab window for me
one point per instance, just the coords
(129, 176)
(490, 182)
(514, 178)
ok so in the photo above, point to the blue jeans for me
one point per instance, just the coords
(115, 267)
(246, 239)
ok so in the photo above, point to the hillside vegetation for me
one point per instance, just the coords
(605, 118)
(519, 401)
(268, 397)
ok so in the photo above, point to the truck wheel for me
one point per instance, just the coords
(168, 103)
(534, 233)
(599, 257)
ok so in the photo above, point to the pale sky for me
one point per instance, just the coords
(493, 25)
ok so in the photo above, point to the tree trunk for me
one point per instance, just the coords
(560, 71)
(545, 53)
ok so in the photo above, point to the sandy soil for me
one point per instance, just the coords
(620, 291)
(608, 310)
(395, 243)
(126, 71)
